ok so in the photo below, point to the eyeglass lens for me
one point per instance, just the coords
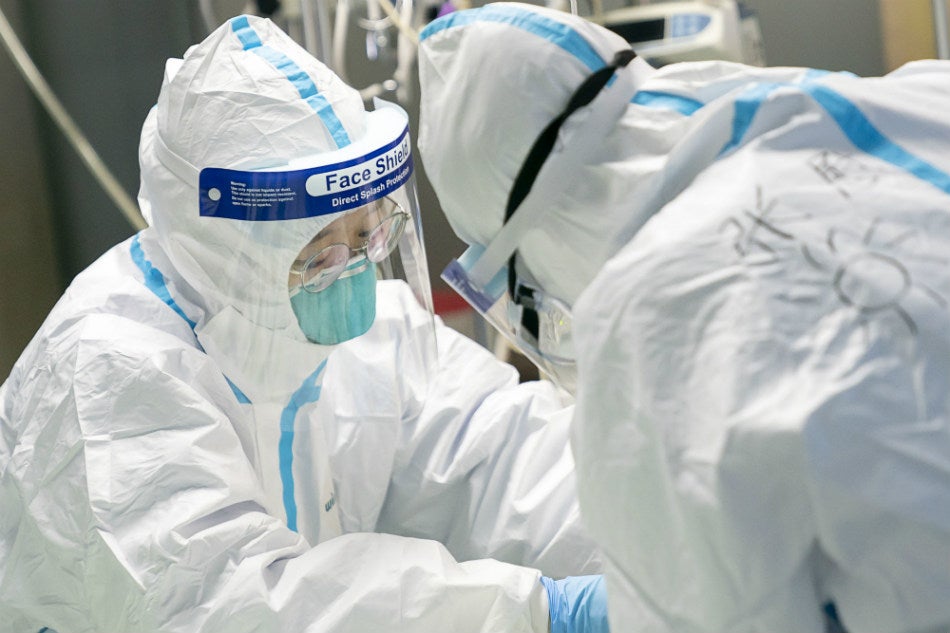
(324, 267)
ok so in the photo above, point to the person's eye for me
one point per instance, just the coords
(303, 259)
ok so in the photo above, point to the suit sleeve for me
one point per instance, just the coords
(131, 503)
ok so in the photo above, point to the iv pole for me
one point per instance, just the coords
(940, 28)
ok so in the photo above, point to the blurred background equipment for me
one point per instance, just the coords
(671, 32)
(102, 61)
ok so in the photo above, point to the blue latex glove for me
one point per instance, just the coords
(578, 604)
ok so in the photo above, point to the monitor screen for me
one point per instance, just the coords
(642, 31)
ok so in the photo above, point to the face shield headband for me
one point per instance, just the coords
(540, 325)
(343, 180)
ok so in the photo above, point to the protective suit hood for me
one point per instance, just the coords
(475, 135)
(248, 97)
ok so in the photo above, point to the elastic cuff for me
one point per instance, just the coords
(556, 604)
(540, 609)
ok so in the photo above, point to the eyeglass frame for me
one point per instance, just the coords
(398, 211)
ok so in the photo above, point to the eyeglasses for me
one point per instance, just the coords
(329, 263)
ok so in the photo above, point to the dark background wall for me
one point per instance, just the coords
(826, 34)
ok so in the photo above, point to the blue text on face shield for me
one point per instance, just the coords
(266, 196)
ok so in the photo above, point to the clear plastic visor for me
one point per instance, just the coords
(552, 350)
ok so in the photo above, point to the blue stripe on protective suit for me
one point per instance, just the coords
(869, 139)
(300, 79)
(746, 107)
(308, 392)
(667, 101)
(748, 103)
(237, 392)
(849, 118)
(555, 32)
(155, 281)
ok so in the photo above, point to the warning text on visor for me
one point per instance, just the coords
(288, 195)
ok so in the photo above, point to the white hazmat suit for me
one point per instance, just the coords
(757, 262)
(169, 421)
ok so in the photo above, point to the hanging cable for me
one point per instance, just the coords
(404, 28)
(69, 128)
(316, 28)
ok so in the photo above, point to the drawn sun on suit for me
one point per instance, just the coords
(869, 268)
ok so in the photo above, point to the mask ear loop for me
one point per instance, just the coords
(585, 93)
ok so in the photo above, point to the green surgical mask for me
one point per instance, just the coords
(343, 310)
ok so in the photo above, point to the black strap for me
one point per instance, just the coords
(545, 142)
(531, 167)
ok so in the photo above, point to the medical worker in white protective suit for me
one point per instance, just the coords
(202, 416)
(757, 263)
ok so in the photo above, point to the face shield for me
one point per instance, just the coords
(312, 253)
(538, 325)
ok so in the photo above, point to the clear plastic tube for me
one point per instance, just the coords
(73, 134)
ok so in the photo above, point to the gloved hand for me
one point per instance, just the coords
(578, 604)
